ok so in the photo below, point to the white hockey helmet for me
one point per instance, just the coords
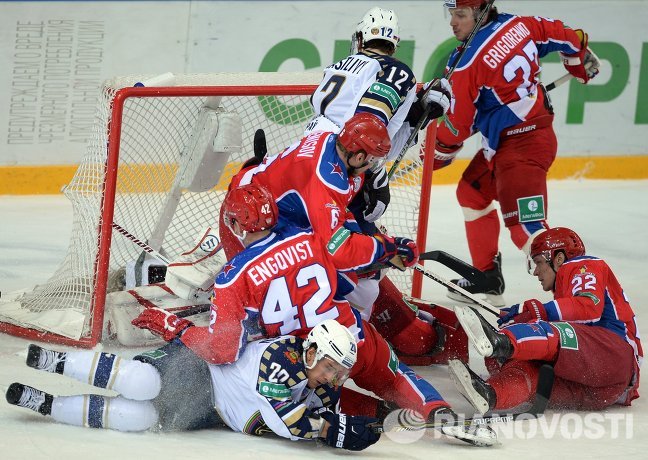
(333, 341)
(376, 24)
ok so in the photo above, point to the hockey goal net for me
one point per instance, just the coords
(141, 171)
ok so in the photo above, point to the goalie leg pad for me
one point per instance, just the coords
(452, 342)
(124, 306)
(391, 314)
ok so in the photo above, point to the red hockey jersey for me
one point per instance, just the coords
(496, 82)
(282, 284)
(588, 292)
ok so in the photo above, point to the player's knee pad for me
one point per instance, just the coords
(128, 415)
(137, 380)
(470, 197)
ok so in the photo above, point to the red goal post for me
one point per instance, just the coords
(141, 171)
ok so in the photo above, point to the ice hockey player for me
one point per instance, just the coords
(372, 80)
(330, 168)
(588, 333)
(286, 385)
(498, 94)
(284, 282)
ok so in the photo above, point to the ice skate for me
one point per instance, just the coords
(29, 397)
(477, 435)
(45, 360)
(492, 287)
(485, 338)
(472, 387)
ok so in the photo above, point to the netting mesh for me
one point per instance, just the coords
(150, 199)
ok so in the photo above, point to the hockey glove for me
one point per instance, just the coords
(444, 155)
(438, 97)
(437, 94)
(161, 323)
(376, 194)
(404, 248)
(349, 431)
(583, 65)
(529, 311)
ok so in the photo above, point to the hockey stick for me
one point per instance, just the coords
(467, 271)
(559, 81)
(537, 409)
(472, 274)
(194, 310)
(141, 244)
(426, 112)
(260, 144)
(565, 78)
(215, 135)
(441, 280)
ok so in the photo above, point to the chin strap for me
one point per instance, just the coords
(352, 169)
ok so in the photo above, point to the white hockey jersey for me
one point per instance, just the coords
(266, 391)
(365, 82)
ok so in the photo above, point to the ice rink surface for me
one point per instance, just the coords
(610, 216)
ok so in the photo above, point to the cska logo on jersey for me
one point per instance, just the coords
(228, 268)
(337, 169)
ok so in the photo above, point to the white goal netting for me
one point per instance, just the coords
(146, 141)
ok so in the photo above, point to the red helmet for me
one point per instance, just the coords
(550, 242)
(252, 206)
(367, 132)
(463, 3)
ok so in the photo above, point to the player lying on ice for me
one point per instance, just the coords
(285, 385)
(588, 332)
(284, 282)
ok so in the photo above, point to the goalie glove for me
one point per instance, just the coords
(349, 432)
(376, 194)
(583, 65)
(161, 323)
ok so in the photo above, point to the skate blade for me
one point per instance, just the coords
(462, 380)
(473, 328)
(482, 436)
